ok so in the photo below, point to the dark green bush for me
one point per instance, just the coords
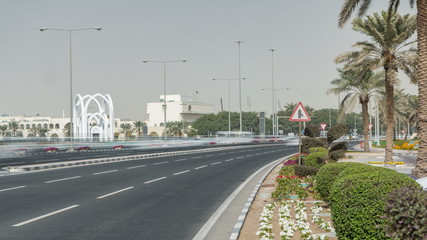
(339, 146)
(406, 213)
(308, 143)
(316, 159)
(336, 132)
(336, 155)
(304, 171)
(357, 203)
(312, 131)
(327, 175)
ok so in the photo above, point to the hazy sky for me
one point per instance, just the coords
(34, 65)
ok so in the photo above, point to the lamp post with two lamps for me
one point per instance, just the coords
(164, 88)
(70, 31)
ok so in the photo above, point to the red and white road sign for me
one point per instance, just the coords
(300, 114)
(323, 126)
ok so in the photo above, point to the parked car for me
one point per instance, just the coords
(118, 147)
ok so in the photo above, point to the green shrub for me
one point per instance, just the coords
(362, 168)
(336, 132)
(316, 159)
(304, 171)
(318, 149)
(287, 171)
(406, 213)
(312, 131)
(357, 203)
(327, 175)
(307, 143)
(339, 146)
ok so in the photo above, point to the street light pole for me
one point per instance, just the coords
(275, 117)
(70, 31)
(240, 88)
(164, 89)
(229, 101)
(273, 93)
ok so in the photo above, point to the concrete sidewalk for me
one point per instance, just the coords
(378, 154)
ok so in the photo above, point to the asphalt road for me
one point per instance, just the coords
(168, 197)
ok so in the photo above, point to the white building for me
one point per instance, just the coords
(179, 109)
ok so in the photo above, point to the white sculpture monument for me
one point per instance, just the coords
(97, 125)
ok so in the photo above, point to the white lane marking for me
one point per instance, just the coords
(258, 154)
(62, 179)
(196, 157)
(44, 216)
(139, 166)
(178, 173)
(231, 159)
(119, 191)
(239, 157)
(98, 173)
(210, 155)
(219, 154)
(201, 167)
(160, 163)
(154, 180)
(182, 159)
(215, 163)
(250, 155)
(12, 188)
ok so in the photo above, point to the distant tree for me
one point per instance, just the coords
(177, 128)
(126, 129)
(3, 130)
(13, 127)
(138, 127)
(66, 130)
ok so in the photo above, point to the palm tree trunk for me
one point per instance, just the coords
(421, 166)
(389, 92)
(365, 116)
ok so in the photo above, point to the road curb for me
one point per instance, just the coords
(242, 217)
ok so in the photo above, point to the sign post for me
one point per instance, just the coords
(299, 115)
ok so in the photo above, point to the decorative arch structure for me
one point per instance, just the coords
(93, 125)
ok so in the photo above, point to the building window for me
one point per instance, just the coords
(33, 126)
(51, 126)
(57, 126)
(45, 125)
(27, 126)
(21, 126)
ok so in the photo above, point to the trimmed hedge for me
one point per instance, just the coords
(308, 143)
(318, 149)
(336, 132)
(327, 175)
(336, 155)
(362, 168)
(316, 159)
(339, 146)
(312, 131)
(357, 203)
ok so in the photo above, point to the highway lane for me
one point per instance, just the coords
(42, 157)
(167, 197)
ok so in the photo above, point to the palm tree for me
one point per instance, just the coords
(14, 128)
(358, 88)
(126, 129)
(3, 129)
(66, 130)
(177, 128)
(412, 113)
(346, 11)
(389, 33)
(138, 127)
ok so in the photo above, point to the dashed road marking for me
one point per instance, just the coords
(12, 188)
(231, 159)
(44, 216)
(62, 179)
(139, 166)
(110, 194)
(182, 159)
(215, 163)
(178, 173)
(98, 173)
(160, 163)
(201, 167)
(154, 180)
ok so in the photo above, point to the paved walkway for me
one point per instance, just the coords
(377, 155)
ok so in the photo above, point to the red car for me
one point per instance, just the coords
(83, 148)
(118, 147)
(51, 149)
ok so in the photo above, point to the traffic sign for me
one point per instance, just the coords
(323, 126)
(300, 114)
(370, 126)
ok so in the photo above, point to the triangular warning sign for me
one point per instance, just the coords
(300, 114)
